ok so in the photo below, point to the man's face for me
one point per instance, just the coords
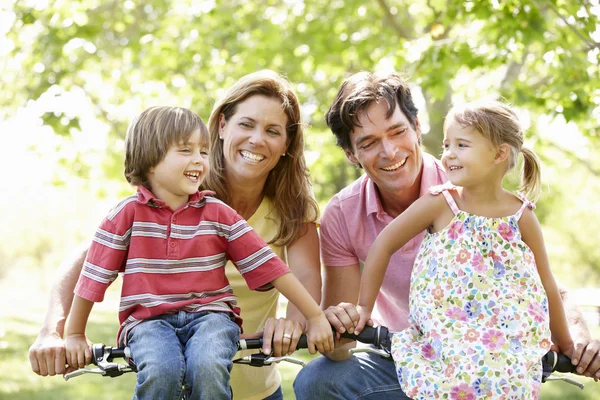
(387, 148)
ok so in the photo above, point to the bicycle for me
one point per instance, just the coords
(379, 337)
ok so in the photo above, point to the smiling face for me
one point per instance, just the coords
(468, 156)
(387, 148)
(254, 139)
(181, 172)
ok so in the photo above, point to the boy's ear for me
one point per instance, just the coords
(503, 153)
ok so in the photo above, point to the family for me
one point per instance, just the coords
(435, 250)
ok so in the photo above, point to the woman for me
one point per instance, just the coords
(258, 169)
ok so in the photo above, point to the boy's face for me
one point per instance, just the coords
(181, 172)
(387, 148)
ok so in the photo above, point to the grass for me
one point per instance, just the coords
(20, 326)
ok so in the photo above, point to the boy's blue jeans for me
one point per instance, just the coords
(189, 352)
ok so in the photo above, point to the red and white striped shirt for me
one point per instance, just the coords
(174, 260)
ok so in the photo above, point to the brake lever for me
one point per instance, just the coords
(566, 379)
(260, 360)
(380, 352)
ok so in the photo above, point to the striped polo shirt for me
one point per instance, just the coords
(174, 260)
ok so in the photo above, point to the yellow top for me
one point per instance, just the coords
(256, 307)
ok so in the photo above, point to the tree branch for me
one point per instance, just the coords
(390, 17)
(575, 30)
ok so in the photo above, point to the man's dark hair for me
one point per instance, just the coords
(358, 92)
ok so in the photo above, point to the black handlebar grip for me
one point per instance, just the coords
(375, 335)
(563, 364)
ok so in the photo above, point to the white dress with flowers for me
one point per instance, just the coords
(478, 323)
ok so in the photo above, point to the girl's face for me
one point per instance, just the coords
(254, 139)
(181, 172)
(468, 156)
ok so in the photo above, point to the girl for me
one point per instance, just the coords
(481, 287)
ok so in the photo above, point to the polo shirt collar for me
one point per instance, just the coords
(145, 196)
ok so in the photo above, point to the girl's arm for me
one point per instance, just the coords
(78, 348)
(47, 353)
(531, 233)
(418, 217)
(318, 329)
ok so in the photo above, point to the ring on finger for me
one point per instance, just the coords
(287, 336)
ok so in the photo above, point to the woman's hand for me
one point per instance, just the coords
(281, 335)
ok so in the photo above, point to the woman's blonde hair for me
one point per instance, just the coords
(288, 184)
(150, 135)
(499, 123)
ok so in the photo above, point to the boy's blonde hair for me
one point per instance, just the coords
(499, 123)
(150, 135)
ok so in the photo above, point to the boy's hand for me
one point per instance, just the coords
(79, 350)
(319, 334)
(364, 318)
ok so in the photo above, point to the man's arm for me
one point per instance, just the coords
(340, 294)
(587, 351)
(47, 353)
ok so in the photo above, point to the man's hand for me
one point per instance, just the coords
(342, 317)
(47, 355)
(587, 358)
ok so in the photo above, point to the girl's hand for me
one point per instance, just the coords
(319, 334)
(364, 318)
(78, 350)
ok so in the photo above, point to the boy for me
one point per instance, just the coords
(178, 313)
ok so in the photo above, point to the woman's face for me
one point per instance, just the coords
(254, 138)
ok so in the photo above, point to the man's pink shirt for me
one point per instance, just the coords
(350, 223)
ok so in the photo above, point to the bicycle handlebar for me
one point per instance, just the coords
(380, 337)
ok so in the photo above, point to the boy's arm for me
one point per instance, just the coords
(418, 217)
(318, 328)
(77, 346)
(531, 233)
(47, 353)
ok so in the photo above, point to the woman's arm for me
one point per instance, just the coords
(47, 353)
(531, 233)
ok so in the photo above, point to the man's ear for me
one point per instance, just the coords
(350, 156)
(418, 128)
(502, 153)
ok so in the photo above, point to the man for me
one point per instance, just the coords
(375, 122)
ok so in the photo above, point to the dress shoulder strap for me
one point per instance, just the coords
(526, 204)
(444, 190)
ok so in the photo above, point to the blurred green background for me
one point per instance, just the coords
(73, 73)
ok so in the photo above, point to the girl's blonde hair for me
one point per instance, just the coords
(150, 135)
(288, 184)
(498, 122)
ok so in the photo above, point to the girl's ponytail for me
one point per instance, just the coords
(531, 178)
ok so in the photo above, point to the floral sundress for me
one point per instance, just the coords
(478, 322)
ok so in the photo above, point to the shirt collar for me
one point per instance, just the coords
(145, 196)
